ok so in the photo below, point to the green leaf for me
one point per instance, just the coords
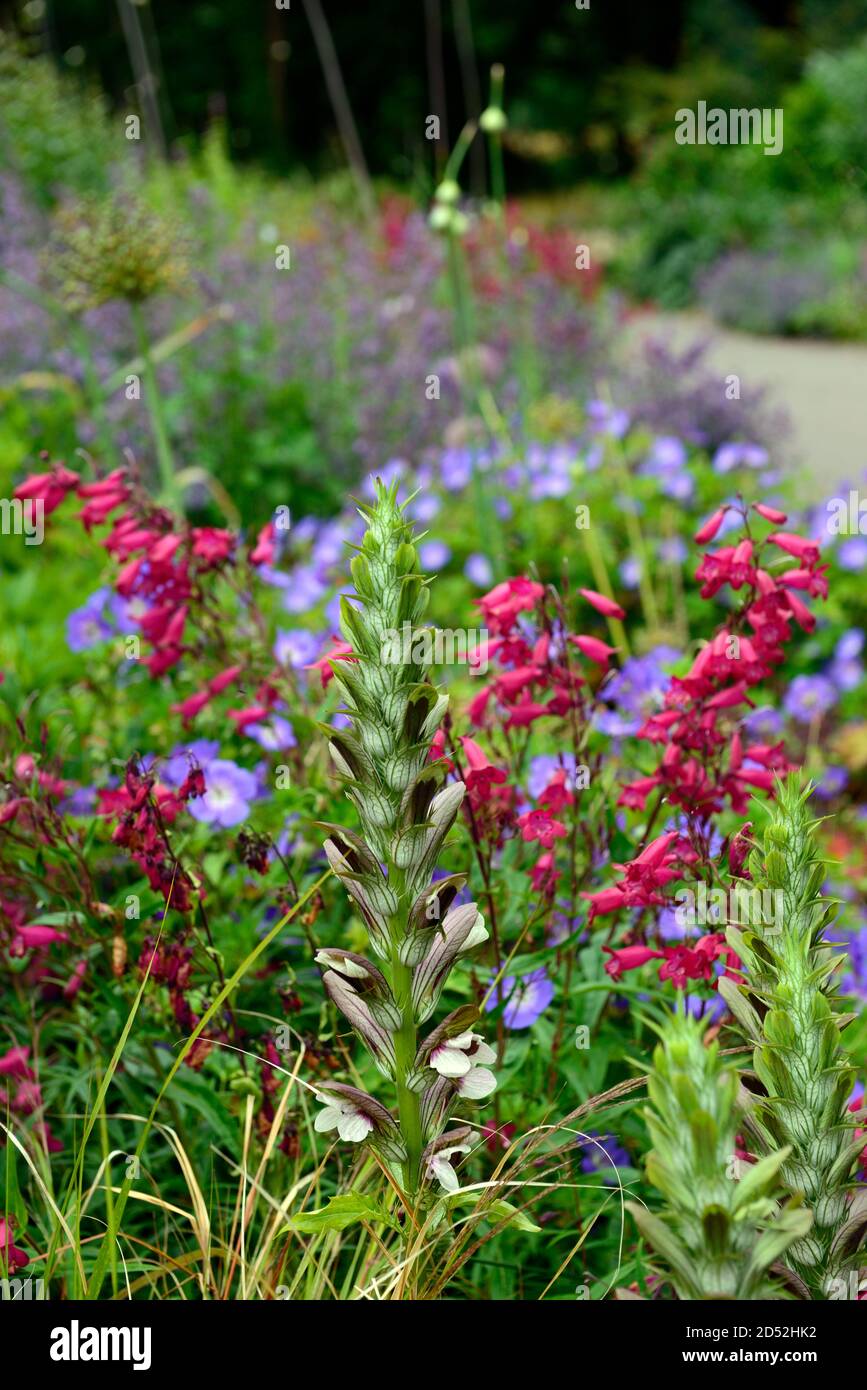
(741, 1008)
(497, 1211)
(341, 1212)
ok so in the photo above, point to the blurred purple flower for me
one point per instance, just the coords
(527, 998)
(200, 753)
(809, 696)
(273, 734)
(852, 553)
(90, 624)
(833, 781)
(296, 647)
(229, 789)
(764, 725)
(434, 555)
(479, 571)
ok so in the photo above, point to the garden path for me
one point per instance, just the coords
(821, 385)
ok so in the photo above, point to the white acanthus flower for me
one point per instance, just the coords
(478, 934)
(349, 1120)
(440, 1167)
(478, 1083)
(457, 1057)
(340, 960)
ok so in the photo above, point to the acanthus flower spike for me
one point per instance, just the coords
(406, 813)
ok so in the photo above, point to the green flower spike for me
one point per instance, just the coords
(405, 812)
(789, 1010)
(722, 1226)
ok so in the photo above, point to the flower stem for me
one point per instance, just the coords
(165, 462)
(405, 1047)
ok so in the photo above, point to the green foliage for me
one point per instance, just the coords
(54, 133)
(722, 1226)
(794, 1024)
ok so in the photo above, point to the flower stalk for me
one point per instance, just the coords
(722, 1227)
(406, 811)
(789, 1010)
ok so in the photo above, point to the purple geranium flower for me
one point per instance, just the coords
(304, 590)
(832, 782)
(273, 734)
(852, 554)
(88, 625)
(229, 789)
(478, 570)
(527, 997)
(434, 555)
(737, 455)
(544, 766)
(456, 469)
(603, 1154)
(809, 696)
(763, 725)
(200, 753)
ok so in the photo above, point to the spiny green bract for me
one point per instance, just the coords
(789, 1010)
(722, 1225)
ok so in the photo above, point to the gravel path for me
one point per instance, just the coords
(822, 386)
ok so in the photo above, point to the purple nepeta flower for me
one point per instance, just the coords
(297, 647)
(434, 555)
(680, 486)
(478, 570)
(855, 942)
(527, 998)
(809, 696)
(229, 789)
(329, 548)
(852, 553)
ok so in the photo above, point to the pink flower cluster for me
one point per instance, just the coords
(705, 763)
